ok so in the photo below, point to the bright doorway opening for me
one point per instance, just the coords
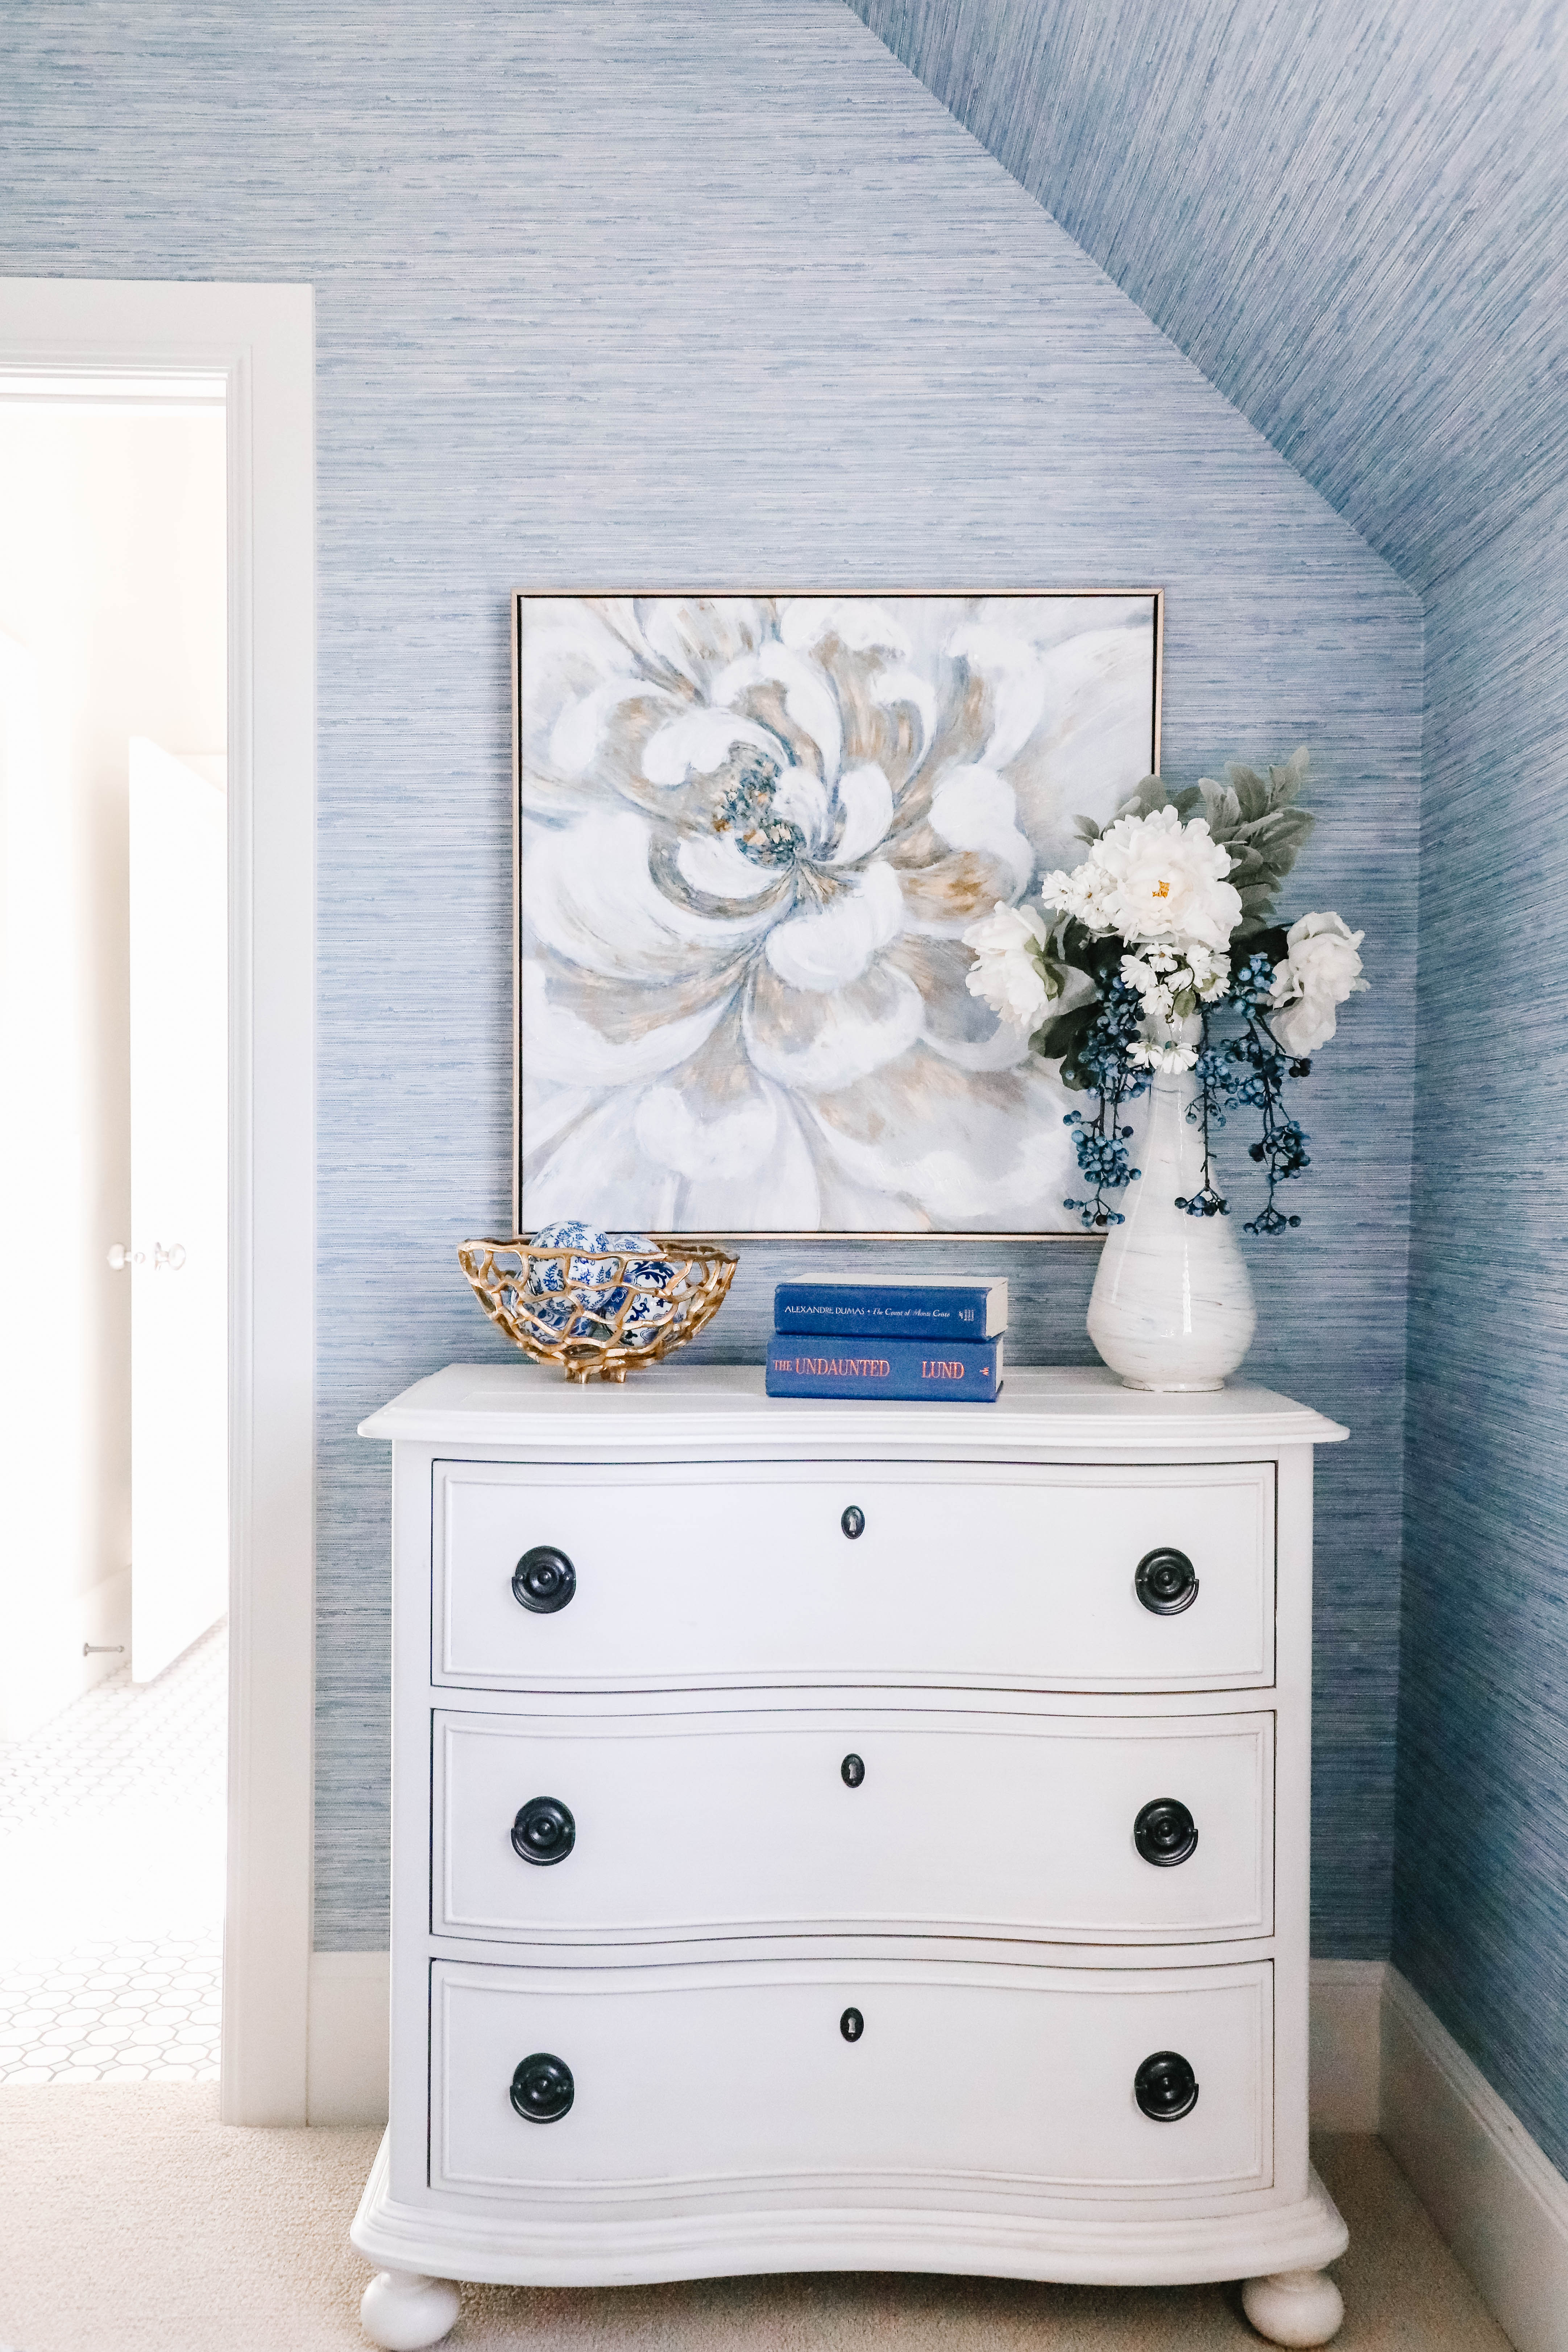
(115, 1412)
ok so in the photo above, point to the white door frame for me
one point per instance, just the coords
(263, 339)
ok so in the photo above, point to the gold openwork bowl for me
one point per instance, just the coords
(599, 1312)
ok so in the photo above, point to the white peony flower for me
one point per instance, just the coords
(1153, 878)
(1168, 881)
(1321, 969)
(1007, 972)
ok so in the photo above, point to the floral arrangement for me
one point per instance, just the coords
(1160, 954)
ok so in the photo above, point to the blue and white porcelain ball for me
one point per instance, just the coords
(602, 1282)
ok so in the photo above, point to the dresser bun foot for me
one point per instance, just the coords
(404, 2312)
(1294, 2306)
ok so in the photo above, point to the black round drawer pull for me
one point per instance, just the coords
(852, 2025)
(544, 1831)
(1165, 1832)
(852, 1771)
(1164, 1581)
(852, 1522)
(542, 2088)
(1165, 2087)
(544, 1580)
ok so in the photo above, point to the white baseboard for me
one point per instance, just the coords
(1497, 2198)
(348, 2041)
(1380, 2061)
(1343, 2018)
(346, 2077)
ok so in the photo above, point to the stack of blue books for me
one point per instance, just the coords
(938, 1341)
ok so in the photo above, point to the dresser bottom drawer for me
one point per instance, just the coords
(858, 2078)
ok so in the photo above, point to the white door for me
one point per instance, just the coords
(179, 1204)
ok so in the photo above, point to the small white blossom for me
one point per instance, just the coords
(1156, 980)
(1007, 972)
(1154, 1053)
(1210, 973)
(1087, 894)
(1321, 969)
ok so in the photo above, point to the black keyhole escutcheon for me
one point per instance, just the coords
(542, 2088)
(852, 1771)
(1164, 1581)
(1165, 1832)
(852, 2025)
(1165, 2087)
(852, 1522)
(543, 1580)
(544, 1831)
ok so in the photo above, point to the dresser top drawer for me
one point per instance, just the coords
(909, 1575)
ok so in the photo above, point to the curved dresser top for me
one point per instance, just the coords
(719, 1413)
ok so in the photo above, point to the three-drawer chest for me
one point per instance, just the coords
(859, 1836)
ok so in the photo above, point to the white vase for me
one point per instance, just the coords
(1172, 1306)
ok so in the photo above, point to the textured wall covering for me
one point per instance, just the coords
(1350, 217)
(666, 293)
(1481, 1923)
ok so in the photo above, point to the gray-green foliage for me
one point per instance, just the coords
(1254, 818)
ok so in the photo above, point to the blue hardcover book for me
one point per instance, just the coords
(947, 1371)
(941, 1308)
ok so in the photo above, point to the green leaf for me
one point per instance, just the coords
(1062, 1035)
(1086, 828)
(1251, 792)
(1099, 953)
(1147, 795)
(1221, 807)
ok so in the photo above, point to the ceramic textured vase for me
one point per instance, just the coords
(1172, 1306)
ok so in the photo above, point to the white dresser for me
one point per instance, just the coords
(848, 1836)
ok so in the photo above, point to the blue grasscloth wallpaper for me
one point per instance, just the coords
(1349, 217)
(667, 294)
(1482, 1907)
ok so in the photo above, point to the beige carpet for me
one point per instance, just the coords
(133, 2221)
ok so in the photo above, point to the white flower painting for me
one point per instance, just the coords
(752, 833)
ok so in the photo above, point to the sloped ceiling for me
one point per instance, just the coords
(1349, 215)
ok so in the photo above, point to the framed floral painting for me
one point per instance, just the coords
(751, 834)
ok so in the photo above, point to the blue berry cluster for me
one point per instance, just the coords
(1239, 1072)
(1250, 1071)
(1102, 1160)
(1252, 984)
(1100, 1065)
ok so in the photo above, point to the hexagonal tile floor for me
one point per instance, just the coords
(111, 1839)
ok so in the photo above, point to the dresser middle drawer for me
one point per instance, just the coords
(637, 1828)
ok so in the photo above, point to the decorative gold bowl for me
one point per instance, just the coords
(599, 1312)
